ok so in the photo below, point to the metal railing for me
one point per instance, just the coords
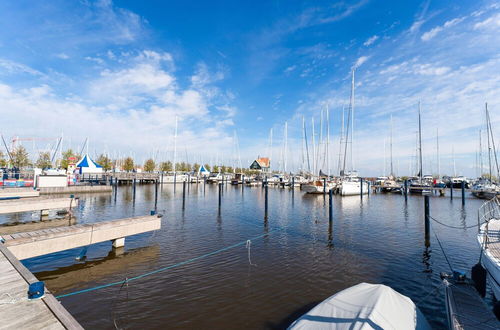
(488, 211)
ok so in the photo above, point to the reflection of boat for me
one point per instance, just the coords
(364, 306)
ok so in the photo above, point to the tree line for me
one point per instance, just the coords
(19, 158)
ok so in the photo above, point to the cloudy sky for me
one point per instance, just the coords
(120, 73)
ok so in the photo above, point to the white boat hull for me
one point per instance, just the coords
(489, 261)
(353, 188)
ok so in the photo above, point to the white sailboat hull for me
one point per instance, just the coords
(352, 188)
(489, 260)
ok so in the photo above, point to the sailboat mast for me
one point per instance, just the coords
(352, 119)
(437, 151)
(420, 141)
(392, 168)
(489, 144)
(328, 140)
(313, 147)
(305, 142)
(480, 155)
(341, 138)
(492, 141)
(175, 144)
(320, 141)
(270, 147)
(285, 147)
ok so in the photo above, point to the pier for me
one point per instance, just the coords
(36, 204)
(18, 312)
(76, 189)
(36, 243)
(6, 193)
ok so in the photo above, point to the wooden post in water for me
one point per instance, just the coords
(156, 196)
(369, 184)
(183, 190)
(324, 186)
(406, 190)
(427, 220)
(463, 192)
(330, 205)
(265, 197)
(293, 182)
(451, 190)
(361, 187)
(220, 194)
(133, 183)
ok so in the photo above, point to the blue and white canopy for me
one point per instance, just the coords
(87, 165)
(203, 170)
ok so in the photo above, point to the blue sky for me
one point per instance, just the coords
(119, 72)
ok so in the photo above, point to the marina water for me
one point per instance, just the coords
(268, 283)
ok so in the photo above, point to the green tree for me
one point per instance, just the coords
(66, 155)
(223, 169)
(3, 161)
(105, 162)
(215, 168)
(128, 164)
(20, 157)
(149, 165)
(196, 167)
(166, 166)
(207, 167)
(44, 160)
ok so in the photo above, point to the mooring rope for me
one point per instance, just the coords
(454, 227)
(164, 268)
(113, 305)
(442, 249)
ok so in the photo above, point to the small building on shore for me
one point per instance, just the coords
(261, 164)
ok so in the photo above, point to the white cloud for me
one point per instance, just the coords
(492, 23)
(371, 40)
(62, 56)
(433, 32)
(8, 66)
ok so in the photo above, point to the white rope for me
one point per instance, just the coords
(248, 245)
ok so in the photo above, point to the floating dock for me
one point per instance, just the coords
(76, 189)
(36, 204)
(17, 312)
(40, 242)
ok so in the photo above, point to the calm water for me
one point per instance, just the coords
(302, 260)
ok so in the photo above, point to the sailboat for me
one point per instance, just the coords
(351, 183)
(390, 184)
(486, 188)
(420, 186)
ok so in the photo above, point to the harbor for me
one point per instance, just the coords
(379, 238)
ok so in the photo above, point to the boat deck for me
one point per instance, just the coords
(467, 310)
(493, 244)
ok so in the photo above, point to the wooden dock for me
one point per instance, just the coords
(76, 189)
(17, 312)
(40, 242)
(8, 229)
(36, 204)
(18, 193)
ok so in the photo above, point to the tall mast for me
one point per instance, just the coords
(305, 142)
(303, 146)
(175, 144)
(313, 148)
(492, 140)
(341, 138)
(392, 168)
(320, 141)
(328, 140)
(285, 147)
(352, 119)
(385, 156)
(270, 147)
(420, 141)
(454, 165)
(480, 155)
(437, 151)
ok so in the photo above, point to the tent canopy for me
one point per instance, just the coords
(364, 306)
(87, 165)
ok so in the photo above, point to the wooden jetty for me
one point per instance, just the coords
(7, 229)
(466, 309)
(40, 242)
(36, 204)
(18, 193)
(17, 312)
(76, 189)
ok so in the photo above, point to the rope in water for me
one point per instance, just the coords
(164, 268)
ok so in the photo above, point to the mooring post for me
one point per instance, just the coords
(361, 187)
(133, 181)
(463, 192)
(369, 186)
(406, 190)
(184, 190)
(451, 190)
(324, 186)
(427, 220)
(293, 182)
(175, 178)
(156, 196)
(265, 197)
(330, 205)
(242, 180)
(220, 194)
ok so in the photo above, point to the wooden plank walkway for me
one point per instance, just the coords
(18, 192)
(36, 204)
(40, 242)
(467, 310)
(8, 229)
(16, 311)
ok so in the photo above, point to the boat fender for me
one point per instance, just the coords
(459, 276)
(478, 275)
(36, 290)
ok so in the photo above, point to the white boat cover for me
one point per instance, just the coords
(364, 306)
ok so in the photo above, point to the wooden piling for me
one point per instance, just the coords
(265, 197)
(427, 220)
(330, 205)
(451, 190)
(156, 196)
(463, 192)
(406, 190)
(324, 186)
(361, 187)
